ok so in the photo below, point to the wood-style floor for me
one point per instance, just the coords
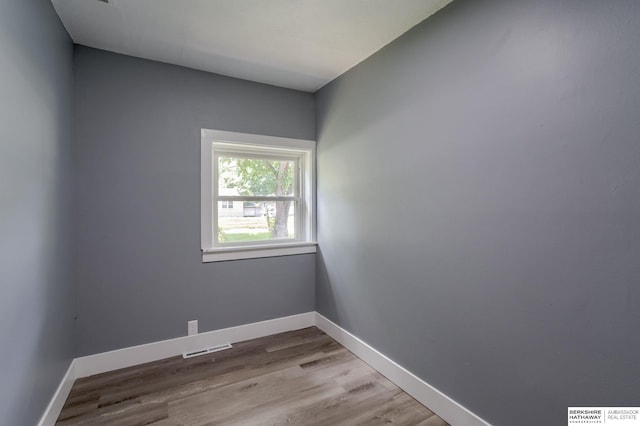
(302, 377)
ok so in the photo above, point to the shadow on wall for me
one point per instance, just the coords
(325, 297)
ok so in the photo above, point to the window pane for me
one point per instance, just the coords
(255, 176)
(257, 221)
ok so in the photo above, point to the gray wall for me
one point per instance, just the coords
(137, 154)
(479, 204)
(36, 263)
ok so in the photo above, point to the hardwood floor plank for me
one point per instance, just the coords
(302, 377)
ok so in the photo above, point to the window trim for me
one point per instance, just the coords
(215, 141)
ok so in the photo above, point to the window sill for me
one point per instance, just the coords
(254, 252)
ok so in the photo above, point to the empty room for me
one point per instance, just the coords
(320, 212)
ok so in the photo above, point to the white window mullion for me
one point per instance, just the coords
(256, 198)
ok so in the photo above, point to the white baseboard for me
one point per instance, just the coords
(127, 357)
(442, 405)
(445, 407)
(59, 397)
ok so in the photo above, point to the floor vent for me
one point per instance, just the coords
(207, 351)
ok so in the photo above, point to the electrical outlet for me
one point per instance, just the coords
(192, 327)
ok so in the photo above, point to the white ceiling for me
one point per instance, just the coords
(300, 44)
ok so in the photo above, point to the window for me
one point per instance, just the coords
(257, 196)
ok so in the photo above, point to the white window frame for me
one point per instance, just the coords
(217, 142)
